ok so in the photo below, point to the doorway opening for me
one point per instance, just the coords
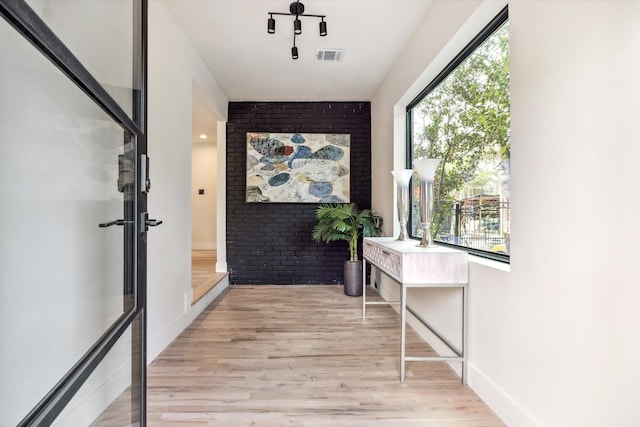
(204, 200)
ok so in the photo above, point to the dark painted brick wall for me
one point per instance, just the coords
(270, 243)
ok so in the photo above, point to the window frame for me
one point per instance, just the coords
(501, 18)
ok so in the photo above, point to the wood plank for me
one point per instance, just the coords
(303, 356)
(203, 273)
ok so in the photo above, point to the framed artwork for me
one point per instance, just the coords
(298, 167)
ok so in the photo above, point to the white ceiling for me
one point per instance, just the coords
(252, 65)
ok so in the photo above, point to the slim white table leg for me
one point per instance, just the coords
(465, 335)
(364, 288)
(403, 329)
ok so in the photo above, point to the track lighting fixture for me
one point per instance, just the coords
(323, 28)
(297, 26)
(271, 25)
(296, 9)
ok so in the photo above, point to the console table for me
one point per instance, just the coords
(416, 267)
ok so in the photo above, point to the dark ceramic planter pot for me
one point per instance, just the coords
(353, 278)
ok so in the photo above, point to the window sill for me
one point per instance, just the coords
(497, 265)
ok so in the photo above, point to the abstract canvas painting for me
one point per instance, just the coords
(298, 167)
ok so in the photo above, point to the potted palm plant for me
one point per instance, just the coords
(345, 221)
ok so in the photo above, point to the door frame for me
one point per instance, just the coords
(20, 16)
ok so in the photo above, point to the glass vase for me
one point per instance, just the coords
(426, 169)
(402, 178)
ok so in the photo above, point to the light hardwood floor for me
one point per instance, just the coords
(303, 356)
(203, 273)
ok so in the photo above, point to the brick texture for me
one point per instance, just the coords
(270, 243)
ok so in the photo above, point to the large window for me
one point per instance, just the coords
(462, 117)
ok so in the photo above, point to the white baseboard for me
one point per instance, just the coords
(221, 267)
(209, 297)
(429, 337)
(503, 404)
(160, 341)
(85, 411)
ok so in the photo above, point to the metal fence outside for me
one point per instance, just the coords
(481, 222)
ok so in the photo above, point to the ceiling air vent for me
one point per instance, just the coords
(329, 55)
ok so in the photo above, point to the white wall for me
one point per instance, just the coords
(174, 67)
(204, 164)
(554, 339)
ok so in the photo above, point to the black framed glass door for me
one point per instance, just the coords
(73, 185)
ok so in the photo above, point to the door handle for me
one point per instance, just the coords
(115, 222)
(148, 222)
